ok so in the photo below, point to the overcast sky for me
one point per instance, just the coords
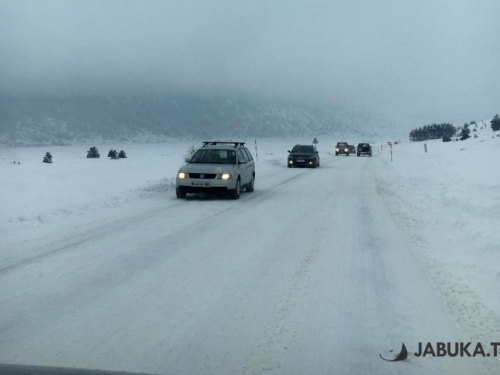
(429, 59)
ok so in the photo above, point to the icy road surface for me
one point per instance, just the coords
(310, 274)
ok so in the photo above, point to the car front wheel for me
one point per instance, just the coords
(235, 193)
(251, 186)
(180, 193)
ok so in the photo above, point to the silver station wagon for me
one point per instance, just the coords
(217, 167)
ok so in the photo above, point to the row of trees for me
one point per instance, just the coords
(434, 131)
(117, 155)
(445, 131)
(93, 153)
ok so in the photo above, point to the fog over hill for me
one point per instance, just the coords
(59, 121)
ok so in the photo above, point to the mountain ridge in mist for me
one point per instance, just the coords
(39, 121)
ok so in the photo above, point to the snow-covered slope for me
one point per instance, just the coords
(448, 201)
(43, 121)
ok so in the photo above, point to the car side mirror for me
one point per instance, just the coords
(288, 150)
(242, 162)
(187, 160)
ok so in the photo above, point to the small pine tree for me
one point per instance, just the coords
(465, 133)
(113, 154)
(446, 138)
(495, 123)
(93, 153)
(122, 155)
(47, 158)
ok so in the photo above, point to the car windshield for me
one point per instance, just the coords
(341, 144)
(303, 149)
(212, 156)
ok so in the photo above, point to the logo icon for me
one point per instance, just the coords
(400, 357)
(202, 175)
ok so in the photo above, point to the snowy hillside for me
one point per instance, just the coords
(43, 121)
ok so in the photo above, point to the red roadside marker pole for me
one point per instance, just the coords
(390, 145)
(256, 154)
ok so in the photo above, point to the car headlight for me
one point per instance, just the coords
(336, 149)
(346, 149)
(225, 176)
(182, 175)
(290, 161)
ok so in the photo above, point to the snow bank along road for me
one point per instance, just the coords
(310, 274)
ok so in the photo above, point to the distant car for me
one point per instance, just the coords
(217, 167)
(352, 149)
(364, 149)
(342, 148)
(303, 155)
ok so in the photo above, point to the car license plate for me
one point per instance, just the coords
(300, 161)
(202, 184)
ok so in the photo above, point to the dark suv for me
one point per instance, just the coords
(303, 155)
(364, 149)
(342, 148)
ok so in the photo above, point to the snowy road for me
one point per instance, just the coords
(310, 274)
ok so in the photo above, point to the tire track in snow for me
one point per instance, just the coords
(278, 333)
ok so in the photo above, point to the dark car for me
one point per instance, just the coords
(342, 148)
(303, 155)
(352, 148)
(364, 149)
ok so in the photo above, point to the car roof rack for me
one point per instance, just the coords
(215, 143)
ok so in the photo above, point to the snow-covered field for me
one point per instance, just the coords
(39, 198)
(448, 203)
(317, 271)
